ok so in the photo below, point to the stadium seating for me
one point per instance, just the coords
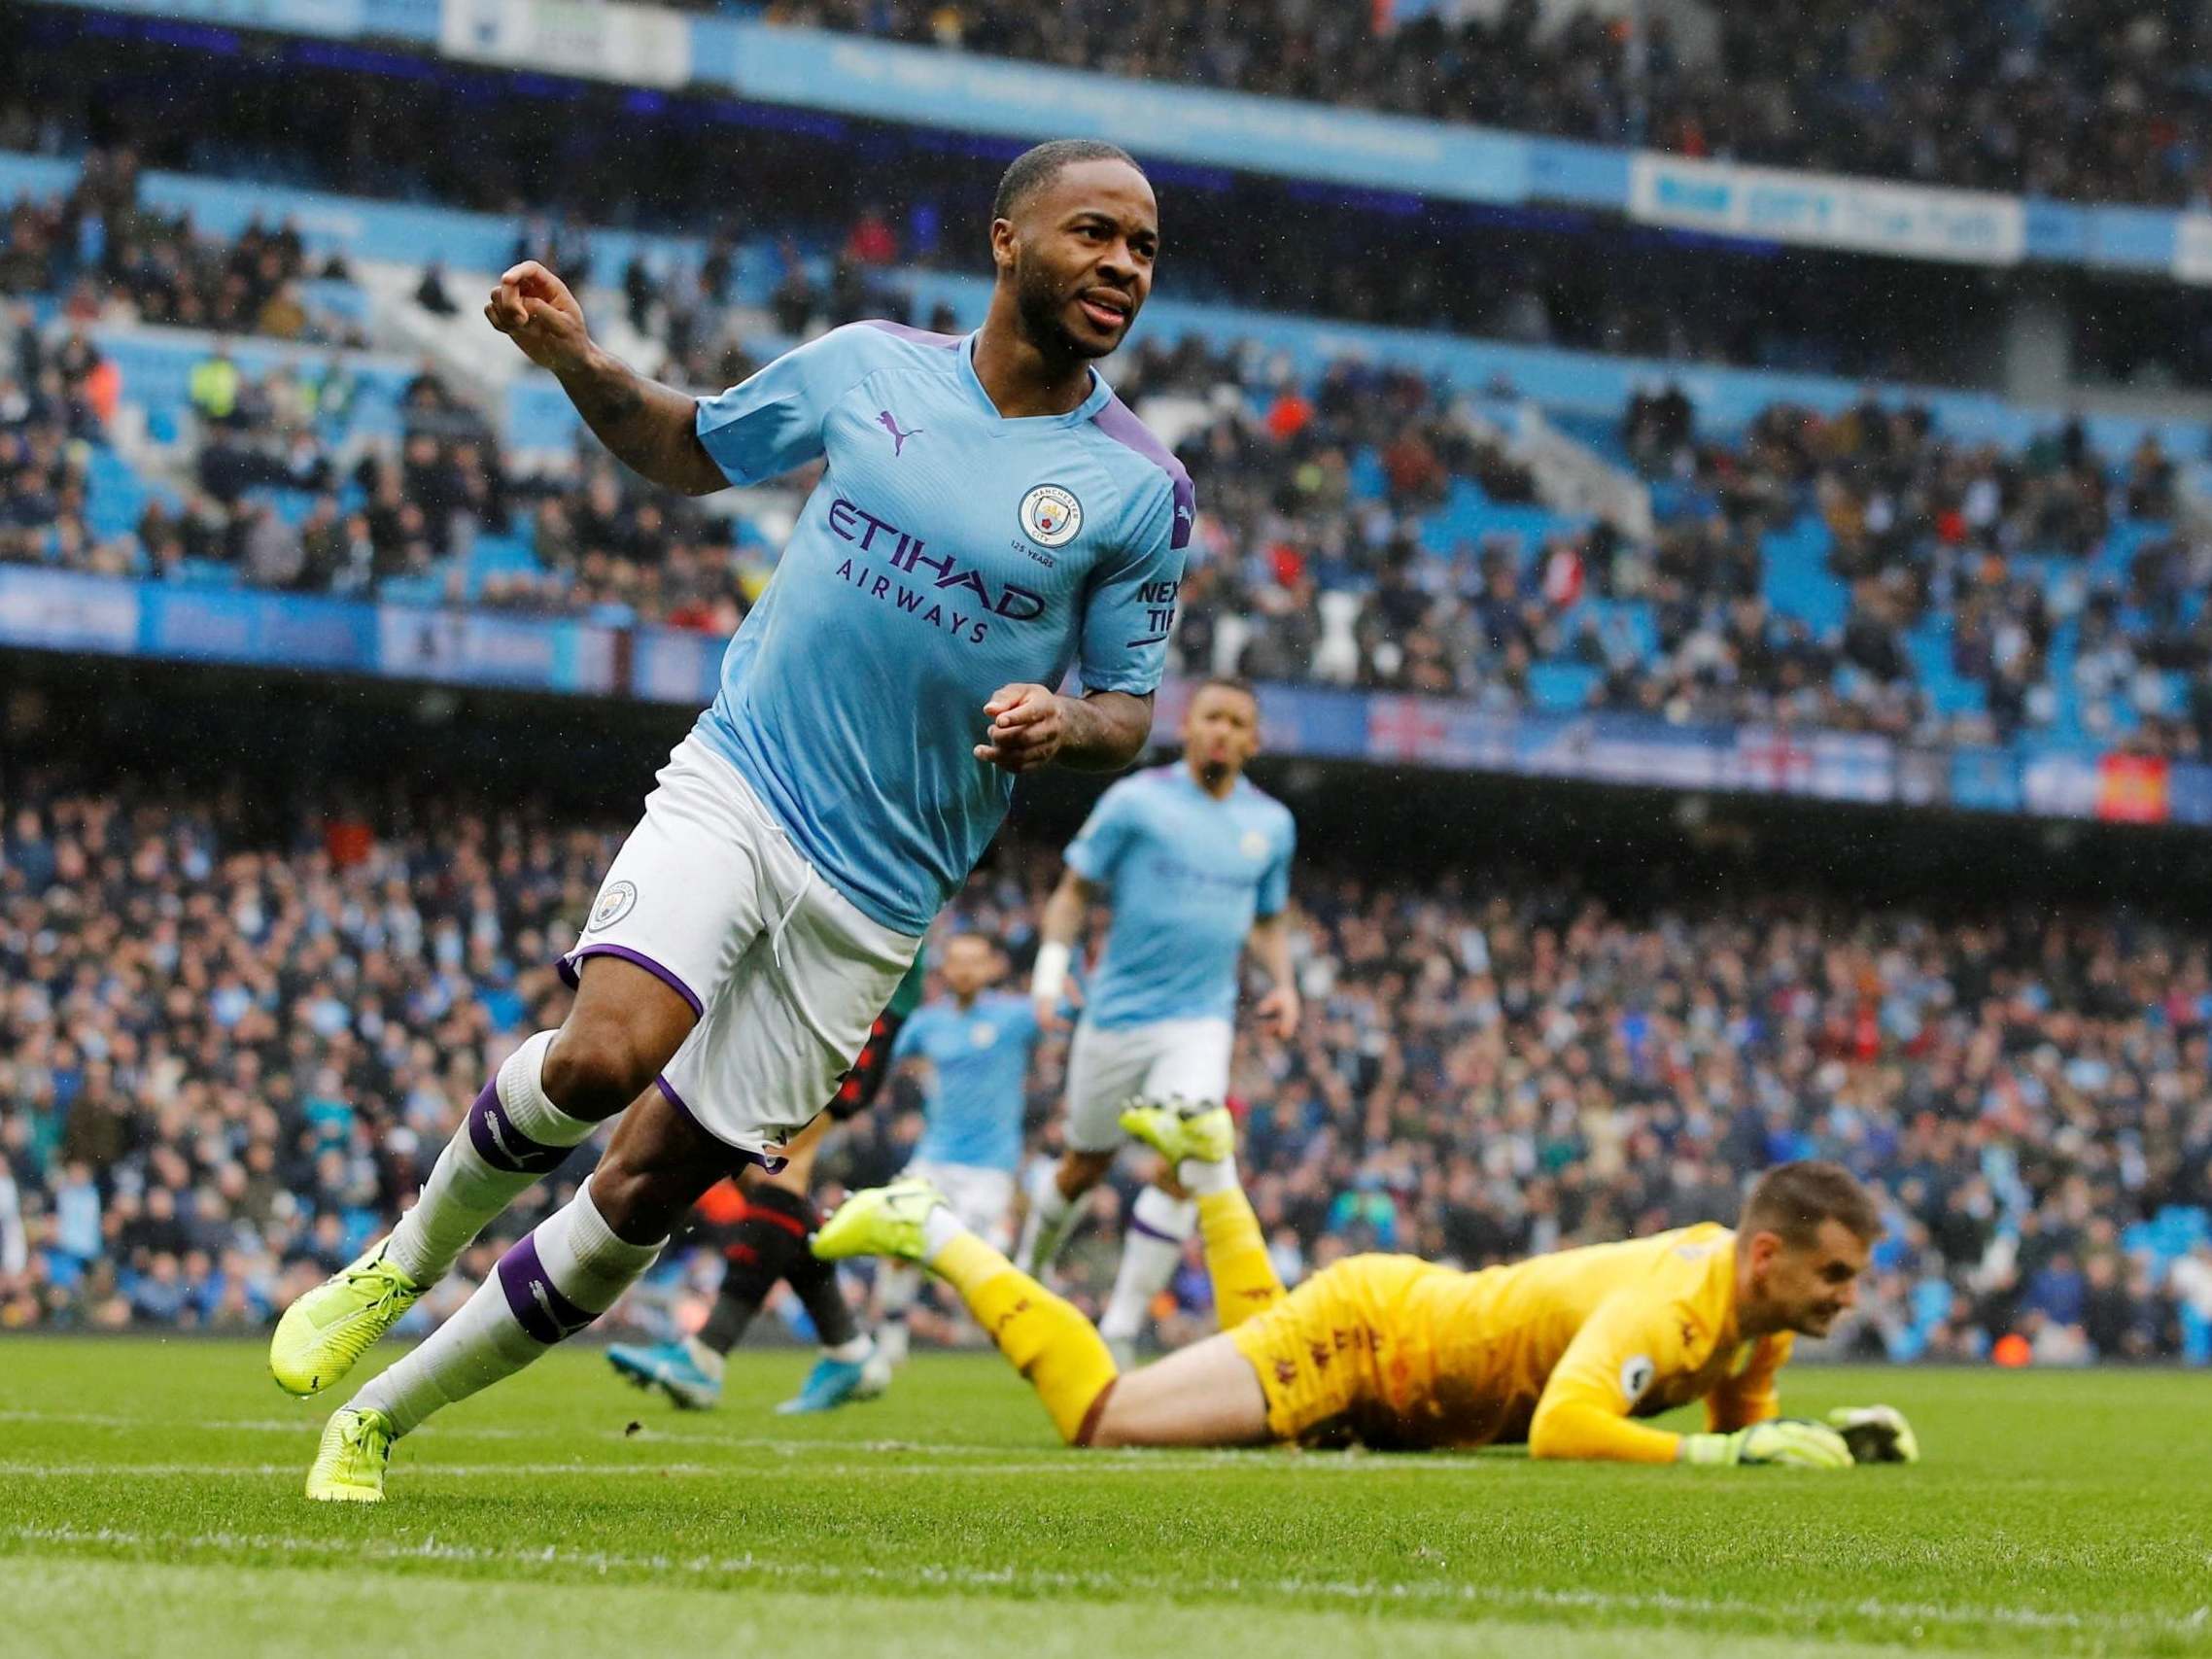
(1521, 1099)
(1520, 596)
(1934, 98)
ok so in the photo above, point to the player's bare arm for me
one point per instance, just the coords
(650, 428)
(1057, 930)
(1032, 726)
(1269, 942)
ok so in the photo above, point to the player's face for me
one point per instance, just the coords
(970, 964)
(1081, 251)
(1807, 1289)
(1221, 731)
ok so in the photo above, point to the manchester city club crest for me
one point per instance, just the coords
(1051, 515)
(615, 903)
(1254, 845)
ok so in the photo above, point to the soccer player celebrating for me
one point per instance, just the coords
(769, 1220)
(1562, 1351)
(1195, 861)
(977, 1043)
(989, 515)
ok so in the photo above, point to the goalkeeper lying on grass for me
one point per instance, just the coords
(1562, 1351)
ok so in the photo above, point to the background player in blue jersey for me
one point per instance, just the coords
(976, 1042)
(1195, 862)
(988, 517)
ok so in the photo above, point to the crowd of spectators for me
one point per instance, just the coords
(55, 397)
(227, 1056)
(1317, 558)
(283, 493)
(2104, 100)
(106, 254)
(1920, 528)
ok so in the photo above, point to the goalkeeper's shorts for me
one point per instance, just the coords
(1326, 1351)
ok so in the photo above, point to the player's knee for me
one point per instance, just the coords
(597, 1067)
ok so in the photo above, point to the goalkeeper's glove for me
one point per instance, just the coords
(1789, 1440)
(1875, 1433)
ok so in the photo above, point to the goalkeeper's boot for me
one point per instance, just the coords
(879, 1221)
(325, 1330)
(671, 1368)
(349, 1467)
(1177, 1129)
(832, 1383)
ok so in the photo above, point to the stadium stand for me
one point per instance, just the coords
(226, 1054)
(2086, 102)
(1363, 525)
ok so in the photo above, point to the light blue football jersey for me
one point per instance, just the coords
(1185, 875)
(981, 1057)
(947, 551)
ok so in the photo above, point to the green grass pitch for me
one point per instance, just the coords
(150, 1505)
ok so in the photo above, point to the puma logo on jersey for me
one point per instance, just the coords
(890, 423)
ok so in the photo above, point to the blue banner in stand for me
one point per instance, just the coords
(966, 92)
(63, 611)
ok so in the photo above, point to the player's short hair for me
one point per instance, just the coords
(1033, 169)
(1227, 683)
(1792, 1199)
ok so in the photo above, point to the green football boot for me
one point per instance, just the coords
(881, 1221)
(325, 1330)
(349, 1465)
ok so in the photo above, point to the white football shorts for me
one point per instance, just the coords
(786, 973)
(1107, 1064)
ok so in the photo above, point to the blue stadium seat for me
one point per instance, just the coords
(1561, 688)
(1799, 582)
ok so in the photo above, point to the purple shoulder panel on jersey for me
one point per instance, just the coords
(1119, 423)
(919, 336)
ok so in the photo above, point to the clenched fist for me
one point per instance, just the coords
(533, 308)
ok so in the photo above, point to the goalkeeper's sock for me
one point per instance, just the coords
(1243, 1274)
(514, 1137)
(1048, 1342)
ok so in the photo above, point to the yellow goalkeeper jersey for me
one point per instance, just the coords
(1560, 1350)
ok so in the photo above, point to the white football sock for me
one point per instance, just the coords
(552, 1284)
(513, 1137)
(940, 1227)
(1045, 1228)
(896, 1286)
(1150, 1247)
(1199, 1177)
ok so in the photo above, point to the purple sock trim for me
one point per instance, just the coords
(536, 1304)
(1151, 1231)
(568, 972)
(502, 1146)
(744, 1155)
